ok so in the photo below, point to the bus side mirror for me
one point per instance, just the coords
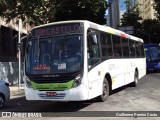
(93, 37)
(18, 46)
(22, 46)
(18, 49)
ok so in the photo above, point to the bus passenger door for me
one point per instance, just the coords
(126, 60)
(94, 69)
(117, 68)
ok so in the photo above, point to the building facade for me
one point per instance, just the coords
(146, 8)
(114, 13)
(8, 50)
(132, 3)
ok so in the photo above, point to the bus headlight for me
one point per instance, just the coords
(77, 81)
(28, 82)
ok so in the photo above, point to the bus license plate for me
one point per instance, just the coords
(51, 93)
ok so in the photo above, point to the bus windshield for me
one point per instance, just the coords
(58, 54)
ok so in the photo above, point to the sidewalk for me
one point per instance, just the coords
(15, 92)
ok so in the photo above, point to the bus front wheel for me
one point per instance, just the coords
(105, 91)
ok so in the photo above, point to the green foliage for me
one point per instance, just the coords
(46, 11)
(150, 28)
(131, 17)
(41, 11)
(4, 11)
(93, 10)
(157, 8)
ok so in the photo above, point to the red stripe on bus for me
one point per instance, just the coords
(123, 35)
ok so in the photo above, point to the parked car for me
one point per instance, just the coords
(4, 93)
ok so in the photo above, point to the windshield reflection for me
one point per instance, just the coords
(54, 55)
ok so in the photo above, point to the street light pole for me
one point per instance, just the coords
(19, 50)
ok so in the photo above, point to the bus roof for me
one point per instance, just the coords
(59, 22)
(95, 26)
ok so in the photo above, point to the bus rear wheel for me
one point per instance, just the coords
(135, 83)
(105, 91)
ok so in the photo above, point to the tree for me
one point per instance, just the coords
(150, 30)
(45, 11)
(92, 10)
(41, 11)
(131, 17)
(157, 8)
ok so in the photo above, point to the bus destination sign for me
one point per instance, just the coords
(56, 30)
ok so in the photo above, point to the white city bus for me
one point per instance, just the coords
(80, 60)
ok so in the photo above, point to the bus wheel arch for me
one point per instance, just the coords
(106, 88)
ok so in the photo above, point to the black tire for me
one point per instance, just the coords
(135, 83)
(105, 91)
(2, 101)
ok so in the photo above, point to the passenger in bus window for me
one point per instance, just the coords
(116, 53)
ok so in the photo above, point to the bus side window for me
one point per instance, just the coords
(132, 48)
(138, 49)
(92, 48)
(125, 47)
(106, 45)
(117, 46)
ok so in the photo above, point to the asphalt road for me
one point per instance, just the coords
(144, 97)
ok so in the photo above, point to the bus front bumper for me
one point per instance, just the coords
(75, 94)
